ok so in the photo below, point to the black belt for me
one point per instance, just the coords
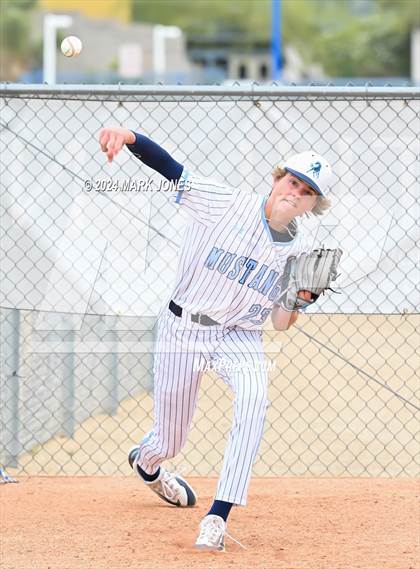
(199, 318)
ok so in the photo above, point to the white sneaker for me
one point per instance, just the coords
(170, 487)
(212, 534)
(173, 489)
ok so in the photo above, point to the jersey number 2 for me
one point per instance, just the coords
(254, 310)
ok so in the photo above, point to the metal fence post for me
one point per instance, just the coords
(110, 402)
(10, 397)
(68, 420)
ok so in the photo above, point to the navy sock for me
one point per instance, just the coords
(148, 477)
(221, 509)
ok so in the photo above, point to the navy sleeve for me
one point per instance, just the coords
(155, 157)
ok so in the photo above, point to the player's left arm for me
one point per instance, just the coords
(282, 319)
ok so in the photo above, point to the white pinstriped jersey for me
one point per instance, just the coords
(229, 268)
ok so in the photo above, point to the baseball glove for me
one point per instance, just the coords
(309, 271)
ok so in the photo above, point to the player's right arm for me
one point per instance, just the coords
(114, 138)
(204, 200)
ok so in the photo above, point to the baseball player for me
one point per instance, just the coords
(228, 283)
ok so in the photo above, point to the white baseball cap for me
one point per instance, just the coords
(312, 169)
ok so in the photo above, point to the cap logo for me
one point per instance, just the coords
(315, 169)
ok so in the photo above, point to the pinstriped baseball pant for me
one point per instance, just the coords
(182, 350)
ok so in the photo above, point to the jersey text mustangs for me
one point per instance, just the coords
(229, 266)
(265, 281)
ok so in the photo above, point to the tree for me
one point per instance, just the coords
(207, 17)
(347, 38)
(377, 45)
(16, 47)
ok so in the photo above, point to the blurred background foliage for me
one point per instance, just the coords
(18, 49)
(349, 38)
(15, 25)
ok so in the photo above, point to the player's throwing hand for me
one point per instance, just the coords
(113, 139)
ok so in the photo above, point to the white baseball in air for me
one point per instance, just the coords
(71, 46)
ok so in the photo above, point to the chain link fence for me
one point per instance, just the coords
(88, 254)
